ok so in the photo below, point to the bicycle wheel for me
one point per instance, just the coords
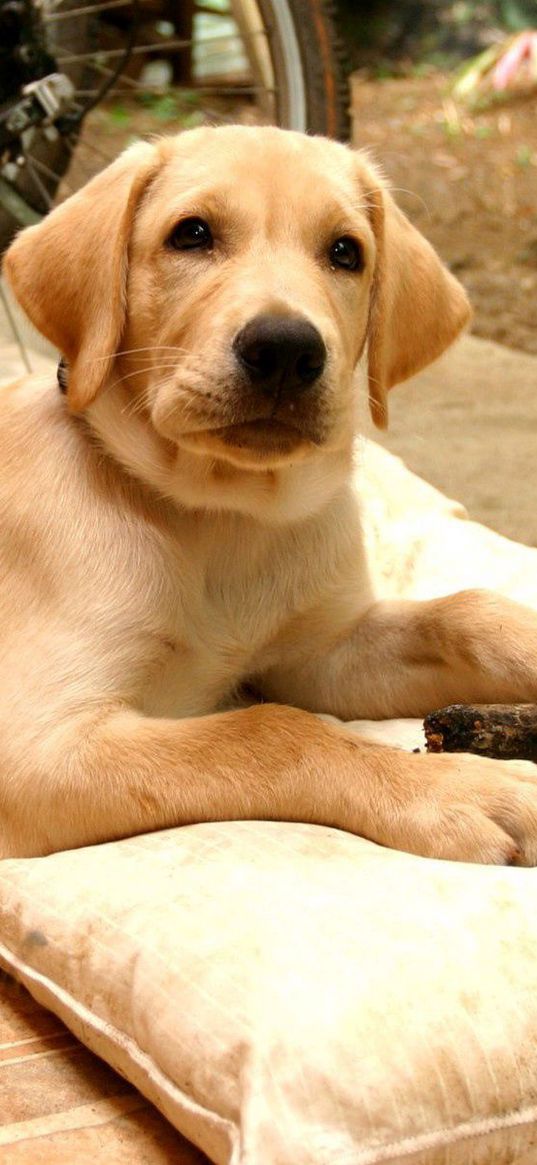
(310, 86)
(158, 64)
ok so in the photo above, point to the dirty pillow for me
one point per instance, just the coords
(292, 995)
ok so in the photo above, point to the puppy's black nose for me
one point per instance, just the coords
(282, 356)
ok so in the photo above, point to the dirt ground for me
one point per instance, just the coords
(469, 182)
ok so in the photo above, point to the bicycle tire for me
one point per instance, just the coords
(311, 65)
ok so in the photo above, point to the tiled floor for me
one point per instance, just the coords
(59, 1104)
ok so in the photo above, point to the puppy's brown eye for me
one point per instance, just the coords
(192, 234)
(347, 253)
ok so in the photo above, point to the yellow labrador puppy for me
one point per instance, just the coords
(186, 519)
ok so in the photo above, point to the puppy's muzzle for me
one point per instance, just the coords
(281, 357)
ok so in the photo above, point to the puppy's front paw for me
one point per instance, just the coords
(476, 810)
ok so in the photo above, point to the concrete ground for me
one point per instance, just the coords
(468, 424)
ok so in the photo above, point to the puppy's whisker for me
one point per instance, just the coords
(413, 194)
(165, 355)
(131, 351)
(135, 406)
(139, 372)
(397, 190)
(147, 361)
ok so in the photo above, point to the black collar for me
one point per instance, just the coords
(62, 373)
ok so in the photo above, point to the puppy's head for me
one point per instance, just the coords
(231, 279)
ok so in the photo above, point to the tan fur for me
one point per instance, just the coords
(155, 556)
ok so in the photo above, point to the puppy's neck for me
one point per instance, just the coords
(201, 482)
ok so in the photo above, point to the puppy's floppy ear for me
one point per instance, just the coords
(417, 308)
(69, 272)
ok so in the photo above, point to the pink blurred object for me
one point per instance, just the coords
(523, 50)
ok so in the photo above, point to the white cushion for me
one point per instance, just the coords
(421, 544)
(292, 995)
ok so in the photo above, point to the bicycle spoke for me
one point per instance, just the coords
(111, 54)
(159, 45)
(15, 330)
(125, 80)
(202, 90)
(40, 186)
(233, 91)
(214, 117)
(51, 5)
(91, 9)
(132, 86)
(39, 165)
(83, 143)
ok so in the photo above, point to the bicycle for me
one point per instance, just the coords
(211, 60)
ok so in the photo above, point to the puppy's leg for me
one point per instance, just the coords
(406, 658)
(123, 774)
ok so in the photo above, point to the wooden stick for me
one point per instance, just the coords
(504, 731)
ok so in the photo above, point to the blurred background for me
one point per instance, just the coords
(429, 97)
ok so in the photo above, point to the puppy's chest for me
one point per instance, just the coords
(228, 608)
(231, 615)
